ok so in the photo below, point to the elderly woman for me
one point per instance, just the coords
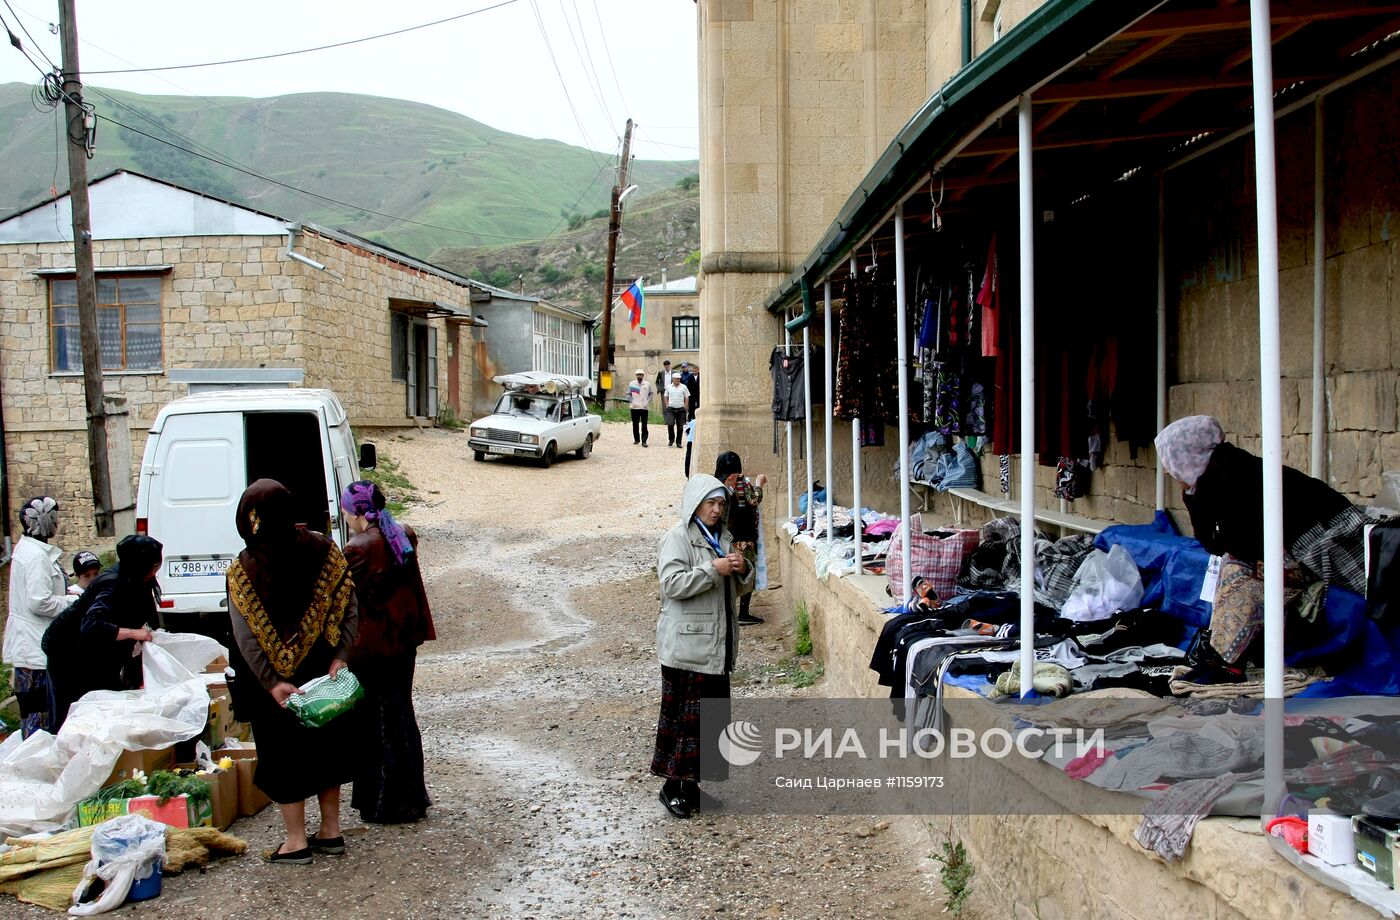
(1223, 490)
(37, 595)
(702, 578)
(93, 645)
(293, 614)
(394, 621)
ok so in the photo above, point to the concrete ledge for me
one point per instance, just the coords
(1063, 867)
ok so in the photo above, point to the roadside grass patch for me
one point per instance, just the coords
(397, 489)
(803, 624)
(448, 418)
(620, 413)
(956, 874)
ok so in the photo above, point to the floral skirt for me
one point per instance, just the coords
(678, 727)
(32, 691)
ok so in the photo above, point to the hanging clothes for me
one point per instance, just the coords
(867, 373)
(989, 299)
(785, 367)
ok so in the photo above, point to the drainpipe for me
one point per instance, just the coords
(808, 310)
(966, 32)
(4, 487)
(293, 230)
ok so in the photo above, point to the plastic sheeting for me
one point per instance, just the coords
(1173, 567)
(44, 777)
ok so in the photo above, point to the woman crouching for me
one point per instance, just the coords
(701, 579)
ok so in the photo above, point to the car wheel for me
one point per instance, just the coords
(478, 455)
(550, 452)
(586, 449)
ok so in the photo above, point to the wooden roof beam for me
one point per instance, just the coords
(1228, 18)
(1124, 89)
(1137, 55)
(1160, 106)
(1007, 146)
(1280, 33)
(1370, 38)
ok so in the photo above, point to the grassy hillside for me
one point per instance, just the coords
(401, 158)
(659, 231)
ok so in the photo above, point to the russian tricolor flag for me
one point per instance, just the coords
(636, 306)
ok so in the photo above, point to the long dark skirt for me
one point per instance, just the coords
(389, 786)
(296, 762)
(678, 727)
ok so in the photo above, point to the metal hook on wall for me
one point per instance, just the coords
(936, 203)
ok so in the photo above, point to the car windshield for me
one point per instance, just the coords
(526, 405)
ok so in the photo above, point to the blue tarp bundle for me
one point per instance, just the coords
(1173, 567)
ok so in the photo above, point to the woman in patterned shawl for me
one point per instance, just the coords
(293, 612)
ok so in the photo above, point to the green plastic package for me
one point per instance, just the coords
(326, 698)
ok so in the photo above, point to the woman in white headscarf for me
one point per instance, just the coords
(1223, 489)
(38, 593)
(697, 634)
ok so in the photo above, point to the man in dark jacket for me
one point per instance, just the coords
(690, 377)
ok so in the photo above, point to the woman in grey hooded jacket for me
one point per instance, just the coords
(701, 579)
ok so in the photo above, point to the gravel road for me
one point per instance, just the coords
(538, 707)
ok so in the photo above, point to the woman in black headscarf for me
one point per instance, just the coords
(93, 645)
(293, 613)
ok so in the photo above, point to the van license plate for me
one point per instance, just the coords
(182, 568)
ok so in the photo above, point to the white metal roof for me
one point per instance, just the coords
(290, 399)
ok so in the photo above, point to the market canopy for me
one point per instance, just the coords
(1119, 87)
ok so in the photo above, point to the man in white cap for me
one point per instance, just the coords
(640, 393)
(677, 402)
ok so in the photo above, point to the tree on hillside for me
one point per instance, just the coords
(165, 162)
(688, 182)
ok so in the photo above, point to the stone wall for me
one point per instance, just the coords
(634, 350)
(232, 300)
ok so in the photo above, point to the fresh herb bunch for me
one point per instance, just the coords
(167, 785)
(126, 789)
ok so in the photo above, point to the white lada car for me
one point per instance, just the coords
(539, 416)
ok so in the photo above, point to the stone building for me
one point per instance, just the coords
(821, 120)
(528, 334)
(673, 330)
(196, 292)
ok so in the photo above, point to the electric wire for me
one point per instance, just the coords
(32, 40)
(608, 51)
(282, 54)
(563, 84)
(590, 71)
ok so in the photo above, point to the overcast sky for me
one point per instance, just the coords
(495, 67)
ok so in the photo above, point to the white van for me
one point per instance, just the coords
(201, 454)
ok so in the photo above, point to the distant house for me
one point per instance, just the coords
(196, 292)
(529, 334)
(673, 330)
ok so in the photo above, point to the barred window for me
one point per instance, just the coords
(128, 323)
(685, 333)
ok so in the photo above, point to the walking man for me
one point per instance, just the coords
(640, 393)
(691, 379)
(663, 380)
(677, 402)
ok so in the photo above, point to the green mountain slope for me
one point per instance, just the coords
(659, 234)
(404, 159)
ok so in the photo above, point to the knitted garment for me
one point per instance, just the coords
(1295, 680)
(1046, 679)
(1169, 820)
(1183, 755)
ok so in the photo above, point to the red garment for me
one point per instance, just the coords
(394, 613)
(989, 298)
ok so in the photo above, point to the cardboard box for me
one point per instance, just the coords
(222, 725)
(223, 794)
(147, 762)
(179, 811)
(251, 799)
(217, 666)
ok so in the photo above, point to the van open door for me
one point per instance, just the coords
(198, 475)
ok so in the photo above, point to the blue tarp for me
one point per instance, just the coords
(1173, 567)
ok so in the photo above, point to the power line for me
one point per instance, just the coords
(590, 72)
(19, 45)
(282, 54)
(608, 51)
(539, 21)
(32, 40)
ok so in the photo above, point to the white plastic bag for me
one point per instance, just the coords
(160, 669)
(192, 650)
(125, 850)
(1105, 584)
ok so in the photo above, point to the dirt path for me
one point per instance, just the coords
(538, 706)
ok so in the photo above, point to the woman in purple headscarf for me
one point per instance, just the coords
(394, 621)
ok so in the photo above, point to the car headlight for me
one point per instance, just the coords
(478, 432)
(529, 439)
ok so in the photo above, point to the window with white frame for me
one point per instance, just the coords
(685, 333)
(128, 323)
(560, 345)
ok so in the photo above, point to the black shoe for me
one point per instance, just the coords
(748, 619)
(635, 443)
(300, 857)
(644, 443)
(331, 846)
(674, 803)
(690, 794)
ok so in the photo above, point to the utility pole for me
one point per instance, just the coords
(78, 117)
(614, 223)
